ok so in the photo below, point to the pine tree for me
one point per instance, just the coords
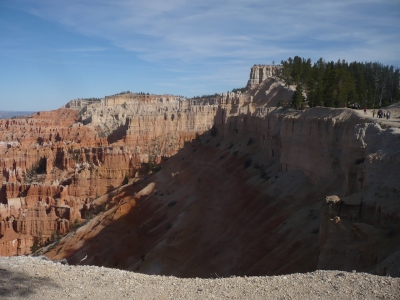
(298, 98)
(334, 83)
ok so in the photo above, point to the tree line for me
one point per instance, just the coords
(334, 84)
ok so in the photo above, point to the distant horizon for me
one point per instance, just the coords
(22, 111)
(8, 114)
(52, 52)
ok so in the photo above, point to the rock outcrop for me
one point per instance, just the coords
(246, 200)
(62, 160)
(240, 192)
(260, 73)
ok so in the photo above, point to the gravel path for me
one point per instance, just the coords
(394, 120)
(36, 278)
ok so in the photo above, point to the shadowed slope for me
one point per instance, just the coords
(248, 202)
(213, 208)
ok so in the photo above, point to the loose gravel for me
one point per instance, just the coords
(36, 278)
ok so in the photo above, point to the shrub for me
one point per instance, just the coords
(34, 247)
(53, 237)
(242, 90)
(76, 224)
(88, 215)
(35, 171)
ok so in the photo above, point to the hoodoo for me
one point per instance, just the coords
(226, 184)
(260, 73)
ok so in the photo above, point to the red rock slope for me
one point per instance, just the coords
(251, 201)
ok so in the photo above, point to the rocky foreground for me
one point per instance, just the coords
(35, 278)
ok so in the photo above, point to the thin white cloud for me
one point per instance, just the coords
(208, 46)
(192, 31)
(82, 49)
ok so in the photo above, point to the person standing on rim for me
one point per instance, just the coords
(365, 110)
(373, 113)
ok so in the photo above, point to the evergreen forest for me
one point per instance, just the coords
(334, 84)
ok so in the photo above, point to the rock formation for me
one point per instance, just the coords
(248, 201)
(260, 73)
(68, 157)
(244, 188)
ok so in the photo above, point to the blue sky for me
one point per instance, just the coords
(52, 51)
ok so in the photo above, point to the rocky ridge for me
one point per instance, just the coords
(270, 169)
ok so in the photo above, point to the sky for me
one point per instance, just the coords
(53, 51)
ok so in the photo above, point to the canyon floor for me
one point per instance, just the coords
(35, 278)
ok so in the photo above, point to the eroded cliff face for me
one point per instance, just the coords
(248, 199)
(361, 228)
(54, 164)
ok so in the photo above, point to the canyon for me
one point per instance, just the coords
(226, 184)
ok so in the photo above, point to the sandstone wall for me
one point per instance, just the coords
(361, 228)
(55, 164)
(248, 201)
(64, 159)
(323, 143)
(342, 154)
